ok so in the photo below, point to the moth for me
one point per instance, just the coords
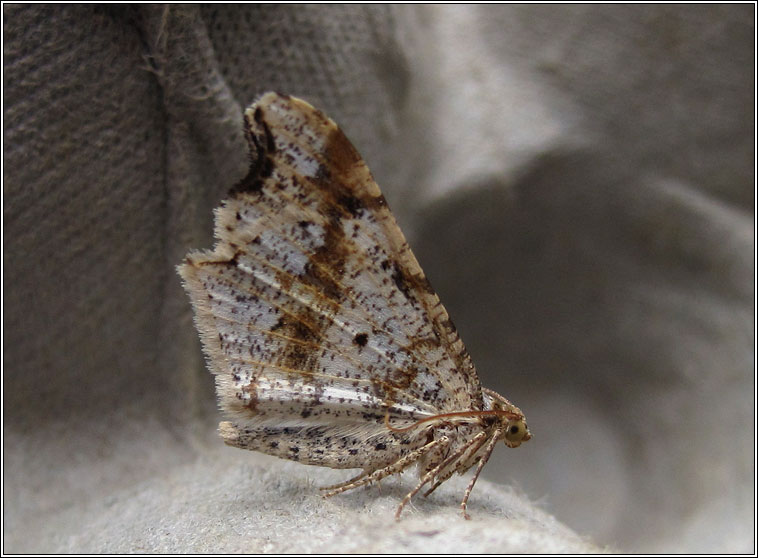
(328, 344)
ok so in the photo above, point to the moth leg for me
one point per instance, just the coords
(482, 461)
(391, 469)
(438, 482)
(432, 472)
(341, 484)
(473, 447)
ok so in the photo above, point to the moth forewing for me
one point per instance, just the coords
(328, 344)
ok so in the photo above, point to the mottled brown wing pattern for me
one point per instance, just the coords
(335, 304)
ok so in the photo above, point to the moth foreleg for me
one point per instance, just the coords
(432, 472)
(482, 461)
(472, 448)
(391, 469)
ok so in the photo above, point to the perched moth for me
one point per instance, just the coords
(328, 344)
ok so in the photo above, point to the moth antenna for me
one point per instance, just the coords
(493, 412)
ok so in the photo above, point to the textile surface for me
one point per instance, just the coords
(576, 181)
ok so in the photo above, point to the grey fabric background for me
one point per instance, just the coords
(577, 182)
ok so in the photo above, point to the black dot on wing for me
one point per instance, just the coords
(361, 339)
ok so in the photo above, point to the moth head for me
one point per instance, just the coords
(511, 422)
(516, 431)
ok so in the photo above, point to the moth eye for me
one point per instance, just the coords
(515, 431)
